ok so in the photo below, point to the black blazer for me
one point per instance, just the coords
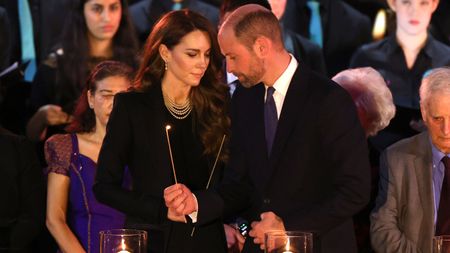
(136, 138)
(318, 175)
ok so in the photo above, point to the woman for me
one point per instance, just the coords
(179, 82)
(74, 217)
(96, 30)
(403, 59)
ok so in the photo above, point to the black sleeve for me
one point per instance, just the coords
(31, 215)
(115, 155)
(233, 194)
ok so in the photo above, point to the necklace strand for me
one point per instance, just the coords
(176, 110)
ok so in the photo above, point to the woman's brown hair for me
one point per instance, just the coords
(210, 98)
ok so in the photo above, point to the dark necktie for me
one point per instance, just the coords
(270, 118)
(443, 214)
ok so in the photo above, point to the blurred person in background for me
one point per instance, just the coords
(96, 30)
(74, 217)
(375, 108)
(403, 59)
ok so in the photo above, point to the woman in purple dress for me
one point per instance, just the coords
(74, 217)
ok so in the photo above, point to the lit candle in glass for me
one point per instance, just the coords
(288, 246)
(124, 247)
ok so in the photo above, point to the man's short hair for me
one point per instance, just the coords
(370, 93)
(437, 82)
(253, 24)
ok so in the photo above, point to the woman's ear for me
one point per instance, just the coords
(391, 4)
(90, 99)
(164, 52)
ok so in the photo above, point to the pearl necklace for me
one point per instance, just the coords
(176, 110)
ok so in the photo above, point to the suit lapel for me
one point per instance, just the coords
(423, 170)
(294, 104)
(257, 136)
(156, 122)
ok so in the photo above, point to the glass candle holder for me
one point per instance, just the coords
(288, 242)
(123, 241)
(441, 244)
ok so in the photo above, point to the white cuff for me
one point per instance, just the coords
(194, 214)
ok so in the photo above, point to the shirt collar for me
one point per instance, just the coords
(281, 85)
(394, 46)
(437, 154)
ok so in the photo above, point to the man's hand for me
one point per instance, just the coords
(235, 241)
(269, 222)
(180, 200)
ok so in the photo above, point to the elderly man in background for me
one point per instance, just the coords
(413, 203)
(375, 107)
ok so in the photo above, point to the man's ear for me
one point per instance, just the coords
(423, 111)
(262, 46)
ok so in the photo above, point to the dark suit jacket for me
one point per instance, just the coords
(305, 50)
(344, 29)
(318, 175)
(146, 13)
(48, 20)
(5, 39)
(136, 138)
(22, 194)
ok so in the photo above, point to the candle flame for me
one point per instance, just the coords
(168, 127)
(288, 245)
(123, 244)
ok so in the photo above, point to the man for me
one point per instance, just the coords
(342, 28)
(298, 155)
(413, 203)
(22, 194)
(146, 13)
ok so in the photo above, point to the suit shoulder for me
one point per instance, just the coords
(321, 87)
(307, 44)
(131, 97)
(8, 139)
(374, 46)
(409, 145)
(441, 53)
(355, 15)
(366, 53)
